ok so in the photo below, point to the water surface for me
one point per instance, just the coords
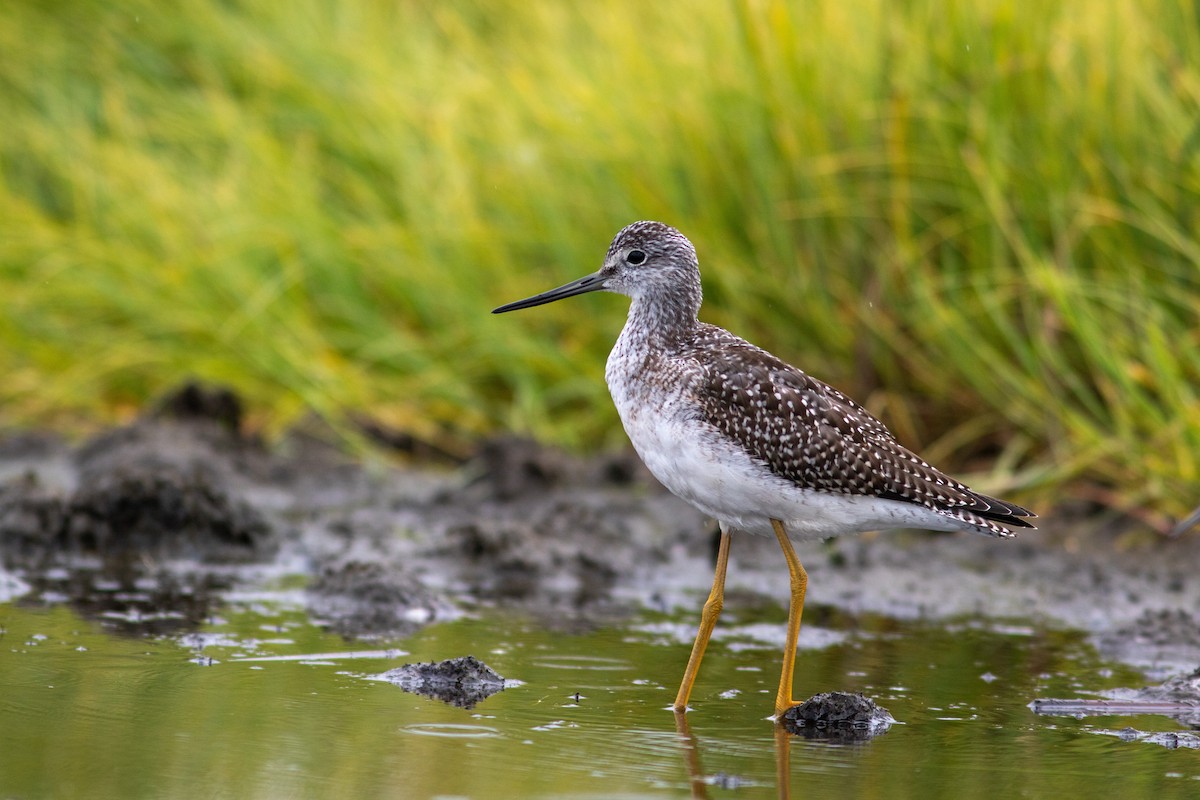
(259, 702)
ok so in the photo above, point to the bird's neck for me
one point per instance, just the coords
(657, 319)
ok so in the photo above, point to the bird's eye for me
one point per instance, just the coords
(635, 257)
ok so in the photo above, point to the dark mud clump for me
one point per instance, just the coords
(838, 717)
(462, 682)
(371, 600)
(203, 404)
(32, 515)
(161, 510)
(161, 487)
(158, 510)
(167, 484)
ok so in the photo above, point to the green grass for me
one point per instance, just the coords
(977, 217)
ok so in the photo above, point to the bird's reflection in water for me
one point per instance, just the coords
(838, 718)
(783, 749)
(700, 782)
(691, 755)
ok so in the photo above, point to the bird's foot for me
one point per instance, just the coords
(784, 707)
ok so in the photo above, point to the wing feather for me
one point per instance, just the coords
(819, 438)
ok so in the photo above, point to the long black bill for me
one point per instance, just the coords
(588, 283)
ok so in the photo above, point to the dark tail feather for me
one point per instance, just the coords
(1005, 513)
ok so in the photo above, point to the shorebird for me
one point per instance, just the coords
(750, 440)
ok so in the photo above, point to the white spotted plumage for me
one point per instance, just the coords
(747, 438)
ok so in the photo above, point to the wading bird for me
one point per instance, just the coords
(750, 440)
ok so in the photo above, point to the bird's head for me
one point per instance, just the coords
(646, 260)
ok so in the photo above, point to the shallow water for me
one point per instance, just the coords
(261, 703)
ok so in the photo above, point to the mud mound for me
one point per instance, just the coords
(164, 486)
(462, 682)
(32, 516)
(364, 600)
(837, 716)
(166, 511)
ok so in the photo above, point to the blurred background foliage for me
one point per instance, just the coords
(978, 217)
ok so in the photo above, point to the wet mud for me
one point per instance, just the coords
(145, 526)
(164, 487)
(464, 682)
(1178, 697)
(369, 600)
(838, 717)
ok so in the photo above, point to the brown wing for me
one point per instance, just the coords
(819, 438)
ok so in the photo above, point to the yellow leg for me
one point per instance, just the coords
(783, 698)
(708, 619)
